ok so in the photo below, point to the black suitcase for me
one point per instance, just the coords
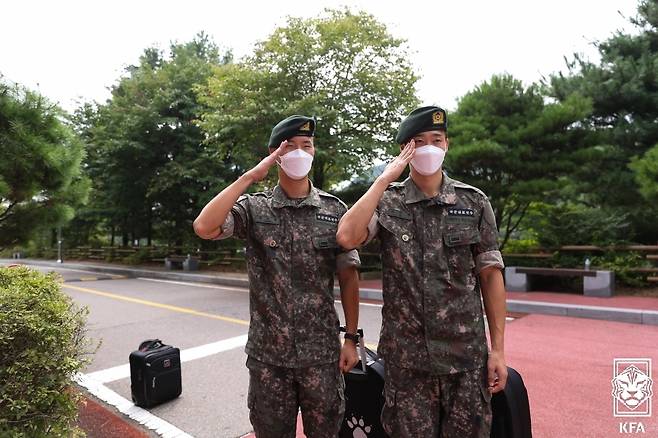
(511, 409)
(364, 395)
(155, 373)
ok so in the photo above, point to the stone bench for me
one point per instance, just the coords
(188, 263)
(595, 283)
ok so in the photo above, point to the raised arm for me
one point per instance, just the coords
(208, 224)
(353, 226)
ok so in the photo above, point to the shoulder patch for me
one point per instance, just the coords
(330, 196)
(461, 185)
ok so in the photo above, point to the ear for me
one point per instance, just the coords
(447, 144)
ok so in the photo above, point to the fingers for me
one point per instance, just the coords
(491, 376)
(407, 152)
(497, 383)
(279, 151)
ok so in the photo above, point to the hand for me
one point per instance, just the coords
(497, 371)
(348, 357)
(259, 172)
(395, 168)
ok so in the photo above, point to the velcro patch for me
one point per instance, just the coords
(326, 218)
(461, 212)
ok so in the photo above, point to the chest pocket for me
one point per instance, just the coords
(400, 224)
(467, 236)
(267, 230)
(458, 248)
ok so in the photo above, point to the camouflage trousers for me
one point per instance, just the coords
(419, 404)
(276, 394)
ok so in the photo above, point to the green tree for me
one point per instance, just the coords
(343, 67)
(150, 165)
(40, 156)
(508, 141)
(646, 174)
(623, 88)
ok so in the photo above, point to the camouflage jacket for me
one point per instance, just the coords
(432, 252)
(292, 257)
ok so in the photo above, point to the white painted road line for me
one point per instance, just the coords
(207, 286)
(58, 268)
(123, 371)
(126, 407)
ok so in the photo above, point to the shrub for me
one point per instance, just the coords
(42, 344)
(142, 255)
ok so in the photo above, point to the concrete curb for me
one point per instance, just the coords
(633, 316)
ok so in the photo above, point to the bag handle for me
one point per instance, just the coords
(150, 344)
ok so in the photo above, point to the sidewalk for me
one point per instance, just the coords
(635, 310)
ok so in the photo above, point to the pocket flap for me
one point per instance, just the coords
(463, 237)
(266, 219)
(325, 242)
(400, 214)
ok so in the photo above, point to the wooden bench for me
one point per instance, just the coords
(188, 263)
(595, 283)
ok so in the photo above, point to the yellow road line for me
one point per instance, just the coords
(169, 307)
(158, 305)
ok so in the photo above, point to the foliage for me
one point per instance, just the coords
(147, 158)
(646, 175)
(514, 146)
(42, 345)
(573, 224)
(623, 89)
(621, 264)
(40, 158)
(343, 67)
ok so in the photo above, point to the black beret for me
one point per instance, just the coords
(290, 127)
(423, 119)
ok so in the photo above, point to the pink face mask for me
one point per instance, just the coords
(296, 164)
(428, 159)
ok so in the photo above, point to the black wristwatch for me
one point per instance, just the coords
(354, 337)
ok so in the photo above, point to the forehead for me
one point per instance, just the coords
(436, 133)
(300, 139)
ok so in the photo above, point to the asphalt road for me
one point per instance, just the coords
(123, 312)
(567, 363)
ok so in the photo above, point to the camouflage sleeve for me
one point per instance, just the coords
(237, 221)
(347, 259)
(486, 251)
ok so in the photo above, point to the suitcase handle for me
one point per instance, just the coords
(150, 344)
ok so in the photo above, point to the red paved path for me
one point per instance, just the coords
(567, 366)
(621, 301)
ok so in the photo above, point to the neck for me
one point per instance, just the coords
(294, 188)
(429, 184)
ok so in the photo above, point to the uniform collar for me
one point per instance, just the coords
(446, 194)
(280, 199)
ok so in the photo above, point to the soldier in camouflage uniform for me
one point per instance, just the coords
(440, 255)
(294, 353)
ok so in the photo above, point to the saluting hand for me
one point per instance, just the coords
(395, 168)
(259, 172)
